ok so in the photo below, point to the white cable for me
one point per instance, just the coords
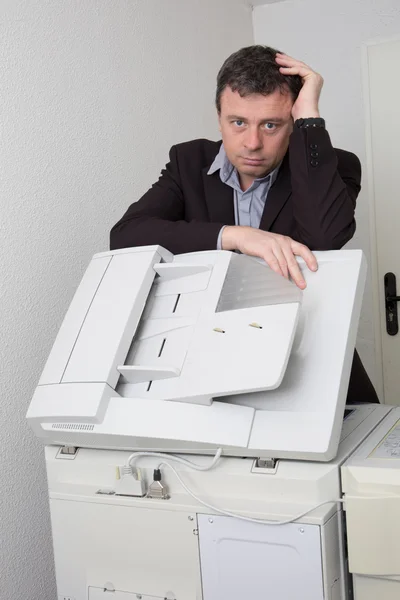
(227, 513)
(136, 455)
(182, 461)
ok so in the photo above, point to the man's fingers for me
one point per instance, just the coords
(294, 268)
(278, 251)
(297, 275)
(272, 262)
(291, 66)
(290, 62)
(282, 56)
(296, 70)
(306, 255)
(280, 257)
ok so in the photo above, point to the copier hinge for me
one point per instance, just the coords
(265, 463)
(69, 452)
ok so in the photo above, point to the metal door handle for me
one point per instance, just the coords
(391, 300)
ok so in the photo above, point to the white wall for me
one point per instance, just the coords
(329, 35)
(94, 92)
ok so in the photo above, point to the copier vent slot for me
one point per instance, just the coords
(73, 426)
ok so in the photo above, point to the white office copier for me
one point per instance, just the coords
(193, 412)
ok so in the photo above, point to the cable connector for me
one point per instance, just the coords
(130, 482)
(157, 490)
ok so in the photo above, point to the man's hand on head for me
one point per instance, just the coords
(278, 251)
(306, 104)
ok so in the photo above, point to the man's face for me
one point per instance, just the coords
(255, 131)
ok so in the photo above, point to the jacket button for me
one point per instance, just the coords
(313, 146)
(314, 154)
(314, 163)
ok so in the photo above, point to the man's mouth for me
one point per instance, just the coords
(252, 161)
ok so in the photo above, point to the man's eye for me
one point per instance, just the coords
(238, 123)
(270, 126)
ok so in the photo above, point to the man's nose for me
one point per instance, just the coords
(253, 139)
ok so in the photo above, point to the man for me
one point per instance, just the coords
(274, 188)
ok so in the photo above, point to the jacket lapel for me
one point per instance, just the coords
(219, 199)
(277, 196)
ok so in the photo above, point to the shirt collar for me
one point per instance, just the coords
(222, 163)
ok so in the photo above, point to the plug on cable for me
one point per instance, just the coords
(130, 482)
(157, 490)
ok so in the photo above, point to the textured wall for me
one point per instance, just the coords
(329, 36)
(93, 94)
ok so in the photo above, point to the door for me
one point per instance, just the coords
(251, 561)
(383, 131)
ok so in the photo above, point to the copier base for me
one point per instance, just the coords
(112, 550)
(117, 547)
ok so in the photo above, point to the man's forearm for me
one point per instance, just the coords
(176, 236)
(323, 203)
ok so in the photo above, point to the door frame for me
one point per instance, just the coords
(378, 307)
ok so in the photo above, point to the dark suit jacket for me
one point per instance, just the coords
(312, 200)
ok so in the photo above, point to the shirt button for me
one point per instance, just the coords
(314, 154)
(313, 146)
(314, 163)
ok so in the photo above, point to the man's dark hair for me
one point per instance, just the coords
(253, 70)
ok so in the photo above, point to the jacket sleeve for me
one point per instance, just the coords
(158, 218)
(325, 185)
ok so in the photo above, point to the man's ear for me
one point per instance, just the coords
(219, 122)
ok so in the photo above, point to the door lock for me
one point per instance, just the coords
(391, 300)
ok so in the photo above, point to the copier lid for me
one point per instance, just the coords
(192, 352)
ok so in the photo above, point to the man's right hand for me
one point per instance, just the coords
(278, 251)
